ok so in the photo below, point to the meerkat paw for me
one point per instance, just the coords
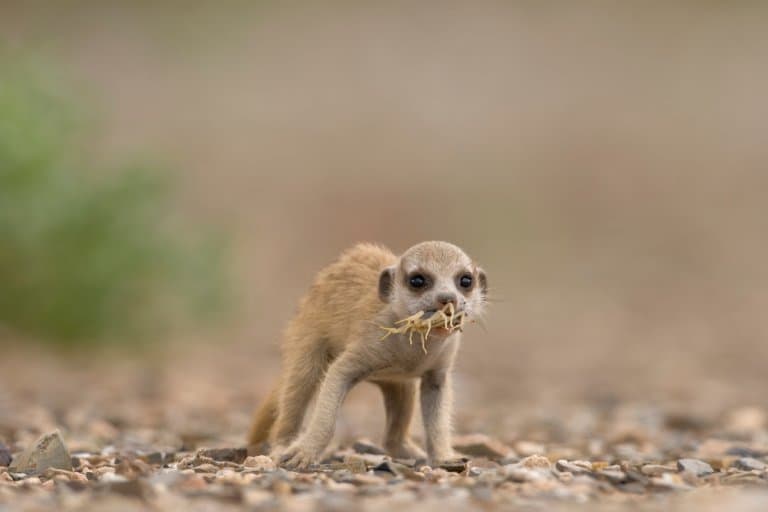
(446, 459)
(298, 456)
(406, 450)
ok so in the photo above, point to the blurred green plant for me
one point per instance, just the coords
(88, 254)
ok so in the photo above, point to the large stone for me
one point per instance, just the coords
(48, 451)
(480, 445)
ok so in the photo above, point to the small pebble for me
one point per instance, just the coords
(260, 463)
(535, 462)
(694, 466)
(657, 469)
(576, 467)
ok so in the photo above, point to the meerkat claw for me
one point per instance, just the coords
(298, 458)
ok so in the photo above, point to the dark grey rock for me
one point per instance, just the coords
(236, 455)
(388, 467)
(455, 466)
(395, 469)
(694, 466)
(48, 451)
(749, 464)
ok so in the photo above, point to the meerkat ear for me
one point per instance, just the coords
(483, 281)
(386, 279)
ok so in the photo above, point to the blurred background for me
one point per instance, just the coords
(161, 161)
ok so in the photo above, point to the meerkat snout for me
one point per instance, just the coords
(443, 299)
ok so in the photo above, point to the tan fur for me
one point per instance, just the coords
(333, 342)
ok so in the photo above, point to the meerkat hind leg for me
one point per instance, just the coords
(298, 386)
(399, 401)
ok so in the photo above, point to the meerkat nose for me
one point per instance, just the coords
(446, 298)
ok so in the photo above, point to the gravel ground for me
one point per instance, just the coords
(108, 437)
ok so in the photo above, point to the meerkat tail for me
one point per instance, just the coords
(264, 419)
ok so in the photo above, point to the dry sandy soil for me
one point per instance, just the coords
(168, 434)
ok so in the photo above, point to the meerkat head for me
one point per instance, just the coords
(430, 275)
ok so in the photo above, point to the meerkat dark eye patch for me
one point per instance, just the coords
(466, 281)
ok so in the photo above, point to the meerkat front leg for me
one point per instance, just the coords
(399, 402)
(436, 404)
(343, 373)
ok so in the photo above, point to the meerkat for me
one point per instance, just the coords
(334, 341)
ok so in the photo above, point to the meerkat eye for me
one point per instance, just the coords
(417, 281)
(465, 281)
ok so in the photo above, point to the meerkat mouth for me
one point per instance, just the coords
(431, 312)
(446, 319)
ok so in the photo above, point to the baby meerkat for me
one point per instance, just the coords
(335, 341)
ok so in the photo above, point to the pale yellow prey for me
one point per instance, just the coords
(446, 318)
